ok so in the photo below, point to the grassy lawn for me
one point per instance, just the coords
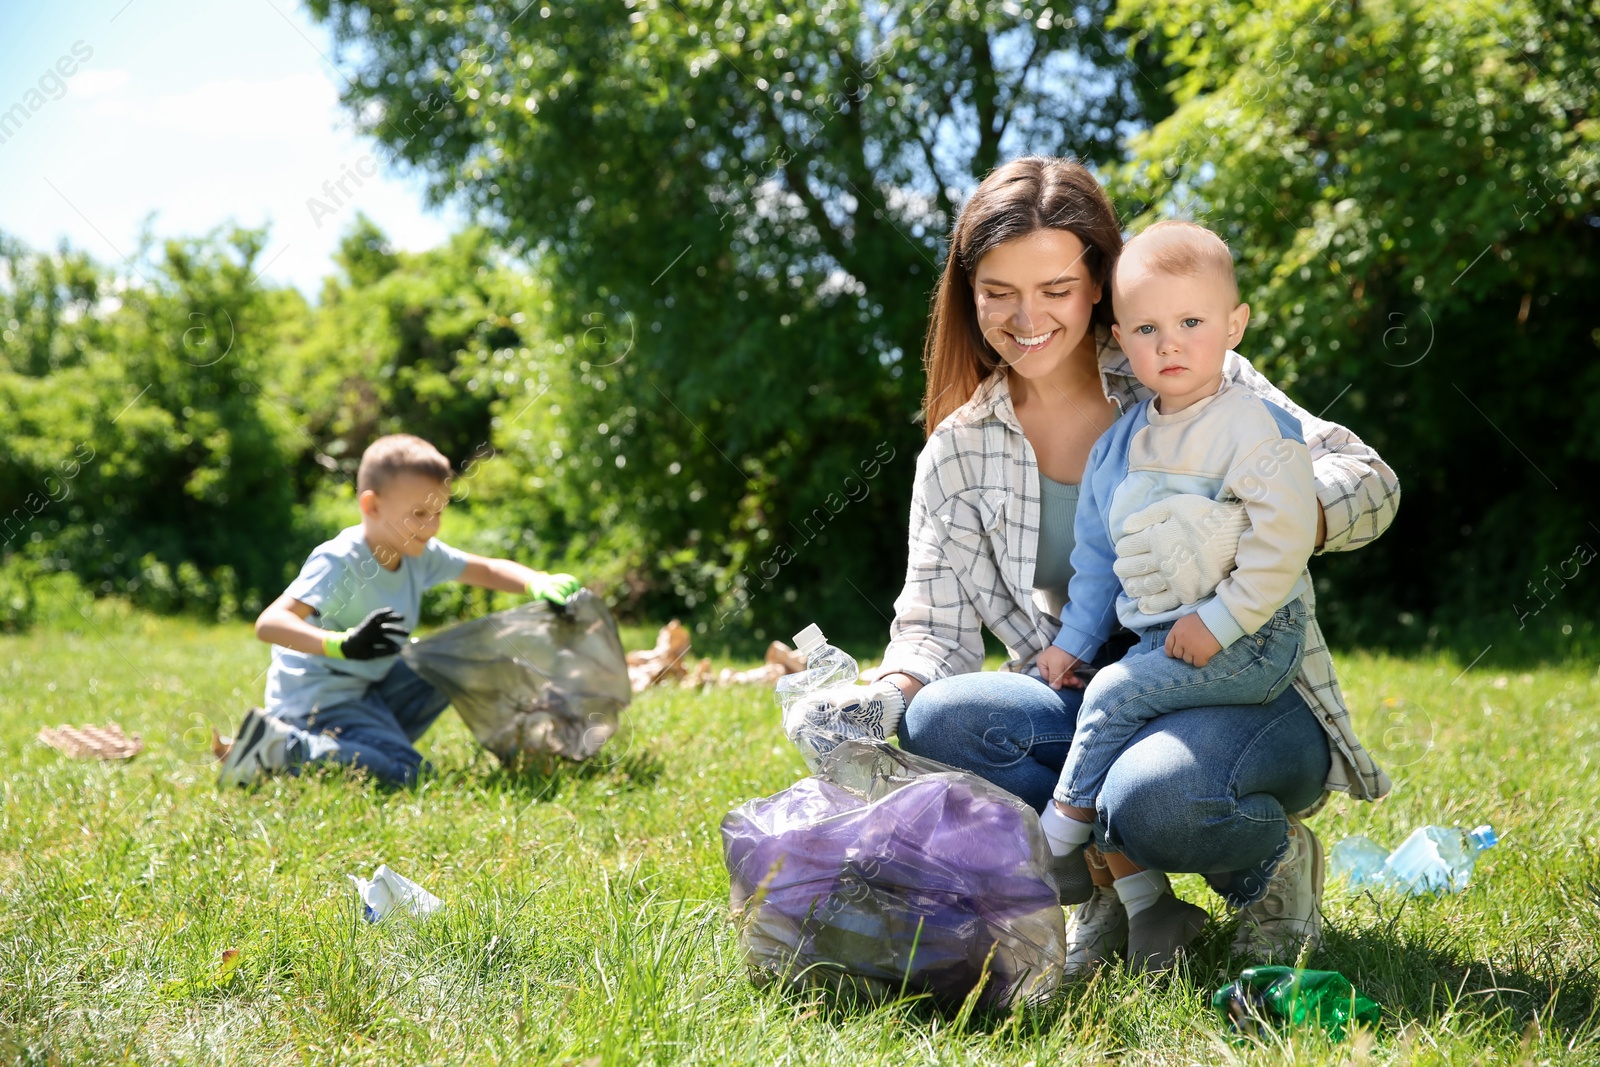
(586, 916)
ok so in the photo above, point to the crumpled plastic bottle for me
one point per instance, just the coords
(387, 892)
(1266, 995)
(815, 727)
(826, 667)
(1358, 860)
(1437, 859)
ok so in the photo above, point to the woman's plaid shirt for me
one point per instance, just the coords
(975, 531)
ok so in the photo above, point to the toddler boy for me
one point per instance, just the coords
(1178, 313)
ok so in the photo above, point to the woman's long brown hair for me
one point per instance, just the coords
(1018, 198)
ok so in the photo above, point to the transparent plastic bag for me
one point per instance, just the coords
(534, 681)
(888, 872)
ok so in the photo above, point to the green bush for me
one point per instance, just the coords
(34, 593)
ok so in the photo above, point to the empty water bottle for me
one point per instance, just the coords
(826, 667)
(1265, 995)
(1437, 859)
(814, 726)
(1359, 860)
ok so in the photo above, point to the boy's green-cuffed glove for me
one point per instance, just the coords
(556, 588)
(379, 634)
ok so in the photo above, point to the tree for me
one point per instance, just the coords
(407, 342)
(1410, 188)
(740, 209)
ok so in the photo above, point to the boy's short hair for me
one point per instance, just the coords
(1174, 246)
(399, 453)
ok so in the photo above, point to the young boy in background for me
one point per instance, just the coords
(337, 689)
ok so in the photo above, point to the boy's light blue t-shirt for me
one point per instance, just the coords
(344, 583)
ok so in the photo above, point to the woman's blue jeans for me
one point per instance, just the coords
(1203, 790)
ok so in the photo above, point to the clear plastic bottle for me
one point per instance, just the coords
(1437, 859)
(816, 729)
(826, 667)
(1359, 860)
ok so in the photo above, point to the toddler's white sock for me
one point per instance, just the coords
(1140, 890)
(1063, 831)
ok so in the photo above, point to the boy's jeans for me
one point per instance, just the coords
(375, 731)
(1121, 698)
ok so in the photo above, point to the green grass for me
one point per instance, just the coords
(587, 913)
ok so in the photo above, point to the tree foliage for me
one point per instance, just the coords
(680, 357)
(740, 210)
(413, 343)
(1410, 188)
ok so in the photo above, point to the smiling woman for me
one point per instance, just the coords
(1046, 251)
(1024, 375)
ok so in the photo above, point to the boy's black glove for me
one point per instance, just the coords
(379, 634)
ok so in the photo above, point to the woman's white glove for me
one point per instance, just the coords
(819, 721)
(1178, 550)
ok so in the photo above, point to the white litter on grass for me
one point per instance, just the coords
(387, 892)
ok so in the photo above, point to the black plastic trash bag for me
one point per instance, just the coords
(534, 681)
(888, 871)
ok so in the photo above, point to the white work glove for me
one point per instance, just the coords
(819, 721)
(1178, 550)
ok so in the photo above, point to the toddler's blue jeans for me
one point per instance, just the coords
(1146, 682)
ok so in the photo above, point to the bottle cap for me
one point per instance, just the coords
(809, 639)
(1484, 836)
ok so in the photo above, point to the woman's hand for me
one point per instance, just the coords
(819, 721)
(1056, 667)
(1192, 641)
(909, 687)
(1178, 550)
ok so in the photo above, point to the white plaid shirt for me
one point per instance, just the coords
(975, 532)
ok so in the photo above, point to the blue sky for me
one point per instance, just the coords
(201, 112)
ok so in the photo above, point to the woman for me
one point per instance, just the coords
(1023, 376)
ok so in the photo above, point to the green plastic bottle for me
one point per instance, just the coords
(1264, 995)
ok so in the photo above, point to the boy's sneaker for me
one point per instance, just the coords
(1289, 917)
(1096, 931)
(1073, 884)
(258, 748)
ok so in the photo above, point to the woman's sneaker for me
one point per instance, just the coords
(1288, 918)
(1096, 931)
(259, 747)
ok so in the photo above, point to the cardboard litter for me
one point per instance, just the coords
(700, 675)
(666, 660)
(650, 666)
(767, 675)
(92, 742)
(790, 658)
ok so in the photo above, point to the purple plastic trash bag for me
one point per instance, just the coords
(532, 682)
(887, 871)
